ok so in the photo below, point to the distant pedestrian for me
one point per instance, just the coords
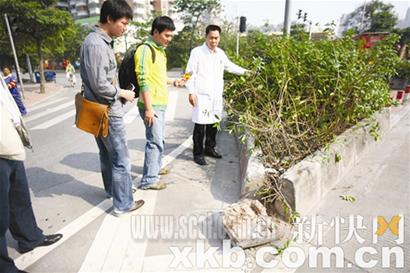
(70, 73)
(16, 212)
(206, 66)
(152, 103)
(98, 73)
(11, 82)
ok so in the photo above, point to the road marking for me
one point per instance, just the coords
(54, 121)
(41, 105)
(101, 241)
(132, 114)
(68, 231)
(114, 239)
(49, 111)
(172, 105)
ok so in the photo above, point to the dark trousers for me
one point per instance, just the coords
(200, 131)
(16, 212)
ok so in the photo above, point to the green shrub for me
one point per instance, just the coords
(306, 92)
(403, 70)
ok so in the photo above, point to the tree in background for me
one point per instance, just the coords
(194, 29)
(375, 16)
(192, 11)
(298, 31)
(72, 43)
(42, 27)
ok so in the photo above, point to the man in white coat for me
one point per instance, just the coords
(206, 66)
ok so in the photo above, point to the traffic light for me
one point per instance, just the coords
(242, 24)
(305, 17)
(299, 14)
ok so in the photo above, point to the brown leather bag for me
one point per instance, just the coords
(91, 117)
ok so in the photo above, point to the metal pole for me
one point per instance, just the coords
(237, 34)
(15, 55)
(362, 19)
(310, 30)
(286, 24)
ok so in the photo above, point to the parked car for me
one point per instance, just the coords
(49, 75)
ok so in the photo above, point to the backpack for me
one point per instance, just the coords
(126, 72)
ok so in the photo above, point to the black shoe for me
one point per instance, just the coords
(200, 160)
(48, 240)
(212, 153)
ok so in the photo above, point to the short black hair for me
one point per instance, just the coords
(116, 9)
(210, 28)
(162, 23)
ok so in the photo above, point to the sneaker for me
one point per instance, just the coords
(135, 206)
(134, 189)
(164, 171)
(155, 186)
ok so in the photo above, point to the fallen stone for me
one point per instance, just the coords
(248, 224)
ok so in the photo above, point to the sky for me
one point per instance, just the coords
(319, 11)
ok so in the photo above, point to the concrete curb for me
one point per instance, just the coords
(306, 183)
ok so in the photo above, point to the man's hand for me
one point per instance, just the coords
(127, 95)
(179, 82)
(192, 99)
(149, 117)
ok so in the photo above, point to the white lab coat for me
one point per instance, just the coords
(206, 82)
(11, 146)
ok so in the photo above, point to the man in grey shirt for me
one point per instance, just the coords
(98, 73)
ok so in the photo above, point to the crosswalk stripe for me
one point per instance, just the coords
(68, 231)
(34, 108)
(113, 237)
(132, 114)
(49, 111)
(172, 105)
(54, 121)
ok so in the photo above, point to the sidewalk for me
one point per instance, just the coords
(32, 94)
(381, 185)
(187, 212)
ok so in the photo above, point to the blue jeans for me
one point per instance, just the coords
(116, 165)
(153, 148)
(17, 98)
(16, 212)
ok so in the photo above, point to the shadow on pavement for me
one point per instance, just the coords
(84, 161)
(47, 184)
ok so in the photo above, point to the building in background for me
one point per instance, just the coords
(87, 12)
(405, 23)
(143, 9)
(63, 4)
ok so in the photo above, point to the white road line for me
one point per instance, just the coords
(49, 111)
(54, 121)
(114, 239)
(132, 114)
(41, 105)
(101, 240)
(172, 105)
(68, 231)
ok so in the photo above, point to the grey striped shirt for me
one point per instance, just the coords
(98, 69)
